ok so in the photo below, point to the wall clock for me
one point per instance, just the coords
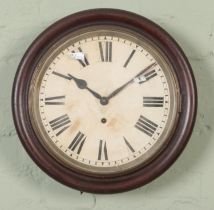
(104, 100)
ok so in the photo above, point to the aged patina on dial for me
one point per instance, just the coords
(104, 101)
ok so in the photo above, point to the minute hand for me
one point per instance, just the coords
(115, 92)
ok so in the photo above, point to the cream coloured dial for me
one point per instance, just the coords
(104, 101)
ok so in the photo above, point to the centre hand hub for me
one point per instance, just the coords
(104, 101)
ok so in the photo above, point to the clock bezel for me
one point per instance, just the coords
(62, 157)
(92, 183)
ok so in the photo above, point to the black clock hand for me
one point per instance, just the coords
(115, 92)
(82, 84)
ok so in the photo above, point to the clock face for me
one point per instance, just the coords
(104, 100)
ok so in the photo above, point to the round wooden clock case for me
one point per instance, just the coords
(99, 41)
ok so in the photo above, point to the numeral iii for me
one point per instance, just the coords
(153, 101)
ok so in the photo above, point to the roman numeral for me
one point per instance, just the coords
(129, 58)
(128, 145)
(62, 75)
(153, 101)
(146, 126)
(60, 123)
(143, 76)
(84, 62)
(106, 51)
(56, 100)
(149, 75)
(77, 142)
(102, 151)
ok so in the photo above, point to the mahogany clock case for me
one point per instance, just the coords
(105, 184)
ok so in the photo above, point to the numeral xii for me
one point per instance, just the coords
(105, 51)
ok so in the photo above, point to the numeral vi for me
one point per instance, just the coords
(102, 155)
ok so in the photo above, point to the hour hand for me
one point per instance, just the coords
(82, 84)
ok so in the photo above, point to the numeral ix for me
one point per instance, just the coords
(57, 100)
